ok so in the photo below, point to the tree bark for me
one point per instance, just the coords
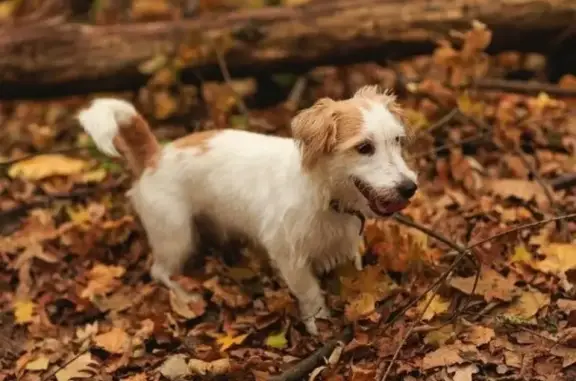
(278, 38)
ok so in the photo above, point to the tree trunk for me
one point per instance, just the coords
(40, 56)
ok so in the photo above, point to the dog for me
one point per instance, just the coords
(302, 198)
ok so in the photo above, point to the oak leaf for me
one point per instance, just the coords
(43, 166)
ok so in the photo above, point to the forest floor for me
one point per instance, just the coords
(476, 297)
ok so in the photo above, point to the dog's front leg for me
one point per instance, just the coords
(306, 288)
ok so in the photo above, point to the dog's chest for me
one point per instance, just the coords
(337, 233)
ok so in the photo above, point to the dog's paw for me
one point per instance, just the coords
(310, 322)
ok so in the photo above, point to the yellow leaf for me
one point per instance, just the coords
(440, 336)
(226, 341)
(560, 257)
(469, 107)
(277, 340)
(114, 341)
(81, 367)
(43, 166)
(521, 254)
(7, 8)
(438, 306)
(416, 119)
(361, 306)
(527, 305)
(41, 363)
(24, 311)
(94, 176)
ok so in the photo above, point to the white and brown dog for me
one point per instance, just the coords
(302, 199)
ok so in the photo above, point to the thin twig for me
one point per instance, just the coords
(410, 330)
(524, 87)
(228, 79)
(60, 367)
(295, 96)
(305, 366)
(440, 123)
(450, 144)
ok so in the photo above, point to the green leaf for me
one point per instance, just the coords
(277, 340)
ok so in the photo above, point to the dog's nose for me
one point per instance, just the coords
(407, 188)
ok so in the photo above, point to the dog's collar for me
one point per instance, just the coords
(336, 206)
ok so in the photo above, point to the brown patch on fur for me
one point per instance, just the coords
(138, 145)
(197, 140)
(325, 127)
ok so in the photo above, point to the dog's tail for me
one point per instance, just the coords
(118, 129)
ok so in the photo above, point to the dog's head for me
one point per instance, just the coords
(357, 143)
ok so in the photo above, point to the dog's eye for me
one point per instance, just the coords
(365, 148)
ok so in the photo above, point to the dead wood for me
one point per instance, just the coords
(35, 56)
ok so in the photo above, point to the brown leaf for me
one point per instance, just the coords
(102, 280)
(491, 285)
(527, 305)
(114, 341)
(188, 309)
(213, 368)
(81, 367)
(175, 367)
(463, 372)
(521, 189)
(446, 356)
(361, 306)
(232, 296)
(478, 335)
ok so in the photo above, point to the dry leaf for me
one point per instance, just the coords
(521, 254)
(102, 280)
(478, 335)
(440, 336)
(490, 285)
(438, 306)
(213, 368)
(115, 341)
(175, 367)
(463, 372)
(362, 306)
(191, 308)
(443, 356)
(41, 363)
(43, 166)
(81, 367)
(521, 189)
(226, 341)
(232, 296)
(528, 304)
(24, 311)
(568, 354)
(560, 258)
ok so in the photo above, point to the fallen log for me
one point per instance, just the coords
(48, 55)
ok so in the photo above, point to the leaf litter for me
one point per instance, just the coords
(77, 296)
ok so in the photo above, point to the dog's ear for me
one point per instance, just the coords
(315, 131)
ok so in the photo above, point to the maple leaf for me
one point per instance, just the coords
(362, 306)
(102, 280)
(226, 341)
(114, 341)
(447, 355)
(43, 166)
(521, 254)
(24, 311)
(438, 306)
(490, 285)
(560, 258)
(527, 305)
(81, 367)
(478, 335)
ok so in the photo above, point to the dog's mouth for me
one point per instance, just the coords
(382, 205)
